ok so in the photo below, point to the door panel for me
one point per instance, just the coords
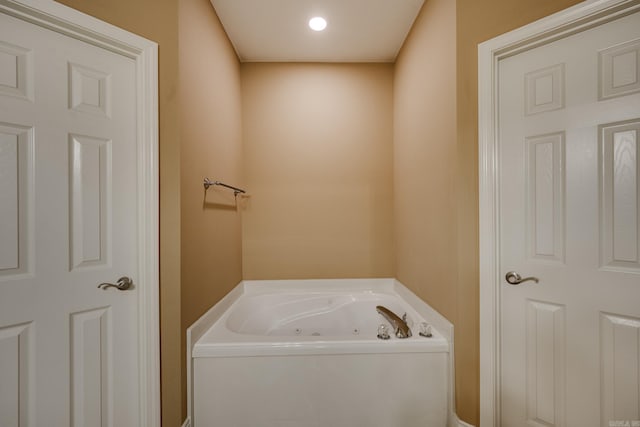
(16, 171)
(17, 390)
(569, 118)
(545, 196)
(619, 179)
(90, 175)
(546, 363)
(68, 222)
(91, 368)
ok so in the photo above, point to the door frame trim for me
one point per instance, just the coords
(70, 22)
(559, 25)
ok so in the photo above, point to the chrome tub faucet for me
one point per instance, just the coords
(400, 327)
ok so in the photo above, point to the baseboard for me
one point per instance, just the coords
(457, 422)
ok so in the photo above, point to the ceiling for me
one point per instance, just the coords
(278, 31)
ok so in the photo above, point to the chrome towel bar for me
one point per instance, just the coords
(208, 183)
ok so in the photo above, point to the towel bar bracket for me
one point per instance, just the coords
(208, 183)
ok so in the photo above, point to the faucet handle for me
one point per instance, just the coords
(425, 330)
(407, 320)
(383, 332)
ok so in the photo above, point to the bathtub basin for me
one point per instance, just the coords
(306, 354)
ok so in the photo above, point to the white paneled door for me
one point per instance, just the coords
(569, 138)
(68, 222)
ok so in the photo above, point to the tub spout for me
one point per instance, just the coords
(399, 326)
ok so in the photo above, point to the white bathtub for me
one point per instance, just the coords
(306, 354)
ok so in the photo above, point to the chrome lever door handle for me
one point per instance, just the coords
(514, 278)
(122, 284)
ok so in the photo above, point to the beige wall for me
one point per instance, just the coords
(158, 21)
(317, 160)
(424, 152)
(210, 136)
(425, 174)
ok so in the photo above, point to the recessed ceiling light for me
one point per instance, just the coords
(317, 23)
